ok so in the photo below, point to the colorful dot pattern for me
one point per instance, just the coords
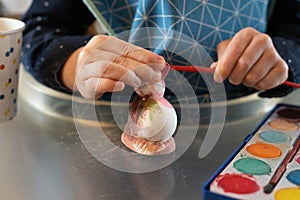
(10, 50)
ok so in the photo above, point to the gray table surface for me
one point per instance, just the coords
(42, 157)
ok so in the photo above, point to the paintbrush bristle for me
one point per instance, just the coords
(268, 188)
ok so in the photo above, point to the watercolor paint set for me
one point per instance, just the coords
(267, 164)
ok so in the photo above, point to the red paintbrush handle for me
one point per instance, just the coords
(191, 68)
(289, 83)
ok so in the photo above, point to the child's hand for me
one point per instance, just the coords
(106, 64)
(250, 58)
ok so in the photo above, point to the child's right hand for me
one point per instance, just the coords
(250, 58)
(106, 64)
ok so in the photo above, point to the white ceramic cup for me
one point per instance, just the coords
(10, 54)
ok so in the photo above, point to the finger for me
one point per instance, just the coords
(251, 55)
(94, 88)
(97, 55)
(102, 85)
(126, 49)
(222, 46)
(276, 76)
(232, 53)
(143, 71)
(133, 75)
(109, 70)
(260, 69)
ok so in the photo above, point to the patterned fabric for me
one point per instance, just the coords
(158, 24)
(206, 21)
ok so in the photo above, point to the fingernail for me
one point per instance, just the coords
(213, 65)
(137, 81)
(119, 86)
(160, 60)
(157, 76)
(217, 76)
(165, 71)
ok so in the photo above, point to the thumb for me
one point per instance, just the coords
(221, 48)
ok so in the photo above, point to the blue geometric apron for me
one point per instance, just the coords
(188, 23)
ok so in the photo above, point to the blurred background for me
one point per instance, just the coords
(13, 8)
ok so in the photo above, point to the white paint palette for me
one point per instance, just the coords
(267, 164)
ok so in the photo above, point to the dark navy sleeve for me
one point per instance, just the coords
(54, 29)
(284, 28)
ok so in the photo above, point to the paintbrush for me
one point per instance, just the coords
(212, 70)
(282, 168)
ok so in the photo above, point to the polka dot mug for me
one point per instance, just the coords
(10, 53)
